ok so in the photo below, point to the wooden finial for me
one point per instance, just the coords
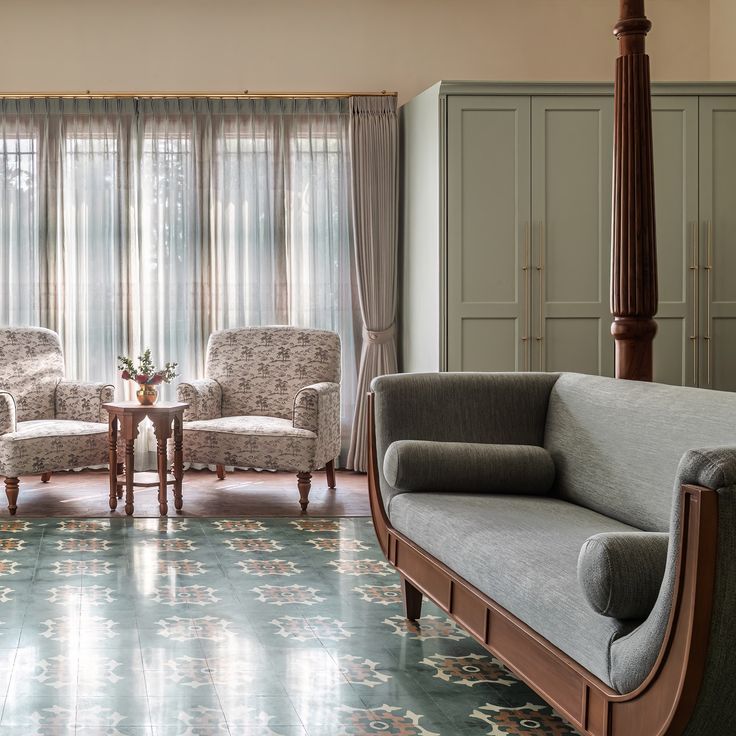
(634, 263)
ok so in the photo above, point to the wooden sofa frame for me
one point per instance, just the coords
(661, 706)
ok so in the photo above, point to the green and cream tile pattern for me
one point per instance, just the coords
(206, 627)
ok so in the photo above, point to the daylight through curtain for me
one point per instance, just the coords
(131, 223)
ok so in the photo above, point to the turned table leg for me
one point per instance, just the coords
(45, 477)
(178, 462)
(161, 440)
(221, 472)
(129, 475)
(330, 468)
(112, 436)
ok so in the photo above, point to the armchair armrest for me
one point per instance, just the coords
(317, 408)
(82, 400)
(7, 413)
(204, 397)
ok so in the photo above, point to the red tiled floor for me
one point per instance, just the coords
(242, 493)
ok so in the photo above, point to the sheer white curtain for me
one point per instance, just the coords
(280, 247)
(127, 224)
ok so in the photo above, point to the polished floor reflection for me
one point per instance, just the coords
(202, 627)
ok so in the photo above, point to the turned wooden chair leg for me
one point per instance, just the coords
(412, 599)
(221, 472)
(330, 468)
(45, 477)
(304, 483)
(11, 491)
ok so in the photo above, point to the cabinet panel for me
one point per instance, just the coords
(718, 242)
(573, 345)
(572, 143)
(487, 231)
(489, 345)
(675, 133)
(723, 357)
(674, 352)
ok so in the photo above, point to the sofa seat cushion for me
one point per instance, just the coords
(522, 552)
(250, 442)
(42, 445)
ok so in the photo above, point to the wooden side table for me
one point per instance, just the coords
(124, 417)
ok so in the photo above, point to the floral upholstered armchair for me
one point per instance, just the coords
(46, 423)
(270, 399)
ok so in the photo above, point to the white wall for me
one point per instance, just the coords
(722, 45)
(331, 45)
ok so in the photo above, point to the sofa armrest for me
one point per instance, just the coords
(204, 397)
(7, 412)
(83, 400)
(317, 408)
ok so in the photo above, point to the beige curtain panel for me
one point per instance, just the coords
(374, 157)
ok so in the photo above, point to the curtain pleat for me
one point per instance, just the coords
(128, 223)
(374, 157)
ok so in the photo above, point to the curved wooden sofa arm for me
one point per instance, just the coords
(661, 706)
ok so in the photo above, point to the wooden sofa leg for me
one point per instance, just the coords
(221, 472)
(304, 483)
(45, 477)
(330, 468)
(11, 491)
(412, 599)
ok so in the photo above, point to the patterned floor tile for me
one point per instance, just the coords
(242, 627)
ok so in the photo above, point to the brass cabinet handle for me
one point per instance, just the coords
(540, 271)
(694, 269)
(708, 272)
(527, 298)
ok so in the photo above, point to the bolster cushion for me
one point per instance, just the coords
(621, 573)
(466, 467)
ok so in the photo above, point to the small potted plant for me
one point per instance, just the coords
(146, 376)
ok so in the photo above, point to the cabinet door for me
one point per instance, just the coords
(487, 233)
(572, 149)
(675, 133)
(718, 242)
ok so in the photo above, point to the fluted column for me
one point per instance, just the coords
(634, 262)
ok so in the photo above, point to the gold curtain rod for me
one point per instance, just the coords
(245, 94)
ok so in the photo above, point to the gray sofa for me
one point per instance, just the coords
(587, 558)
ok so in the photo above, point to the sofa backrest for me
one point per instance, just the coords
(261, 369)
(31, 364)
(616, 444)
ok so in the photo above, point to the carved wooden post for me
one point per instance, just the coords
(634, 262)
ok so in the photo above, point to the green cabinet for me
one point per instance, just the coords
(695, 191)
(528, 231)
(488, 234)
(716, 265)
(506, 245)
(571, 232)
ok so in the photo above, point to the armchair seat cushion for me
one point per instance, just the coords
(522, 552)
(42, 445)
(250, 441)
